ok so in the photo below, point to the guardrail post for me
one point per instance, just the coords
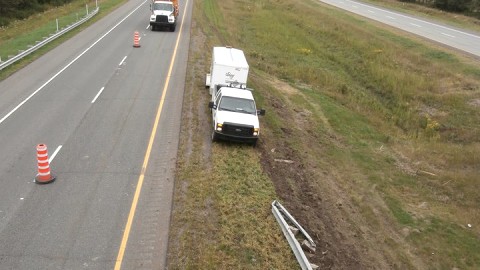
(86, 6)
(57, 24)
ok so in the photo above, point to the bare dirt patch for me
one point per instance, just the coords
(298, 189)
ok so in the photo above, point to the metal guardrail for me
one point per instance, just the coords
(47, 40)
(281, 214)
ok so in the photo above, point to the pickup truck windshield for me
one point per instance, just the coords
(237, 105)
(163, 6)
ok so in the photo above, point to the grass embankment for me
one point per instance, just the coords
(383, 131)
(19, 35)
(453, 19)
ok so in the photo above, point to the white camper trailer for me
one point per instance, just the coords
(229, 67)
(234, 112)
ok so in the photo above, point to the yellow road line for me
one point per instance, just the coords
(133, 208)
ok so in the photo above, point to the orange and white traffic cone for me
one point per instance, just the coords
(44, 175)
(136, 40)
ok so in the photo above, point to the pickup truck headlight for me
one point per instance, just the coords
(152, 18)
(219, 127)
(255, 131)
(171, 18)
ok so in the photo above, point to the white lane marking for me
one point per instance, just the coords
(371, 11)
(415, 19)
(54, 154)
(98, 94)
(354, 6)
(148, 26)
(390, 17)
(416, 25)
(68, 65)
(123, 60)
(447, 35)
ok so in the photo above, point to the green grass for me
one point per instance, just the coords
(373, 108)
(434, 234)
(398, 212)
(242, 191)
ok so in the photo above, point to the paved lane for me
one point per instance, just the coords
(463, 40)
(97, 97)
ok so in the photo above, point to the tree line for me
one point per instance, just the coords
(20, 9)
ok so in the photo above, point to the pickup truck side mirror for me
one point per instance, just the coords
(261, 112)
(211, 105)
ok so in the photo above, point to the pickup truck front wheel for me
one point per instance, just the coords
(214, 136)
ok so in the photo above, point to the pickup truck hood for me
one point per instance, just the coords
(238, 118)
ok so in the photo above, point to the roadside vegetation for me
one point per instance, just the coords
(380, 129)
(18, 35)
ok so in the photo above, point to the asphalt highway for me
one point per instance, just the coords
(467, 41)
(110, 115)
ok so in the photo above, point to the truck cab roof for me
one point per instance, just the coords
(236, 92)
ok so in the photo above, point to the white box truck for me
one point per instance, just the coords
(229, 67)
(234, 112)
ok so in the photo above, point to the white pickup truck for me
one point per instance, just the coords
(235, 115)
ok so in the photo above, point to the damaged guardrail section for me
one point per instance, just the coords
(290, 227)
(47, 40)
